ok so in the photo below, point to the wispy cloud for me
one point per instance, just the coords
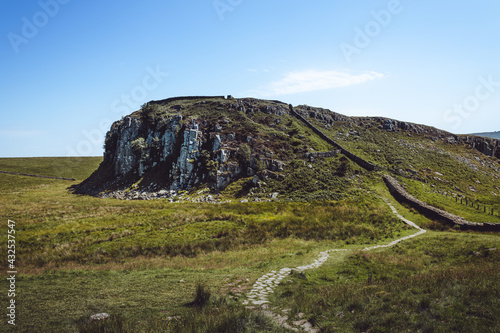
(311, 80)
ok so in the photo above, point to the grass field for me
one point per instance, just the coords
(142, 261)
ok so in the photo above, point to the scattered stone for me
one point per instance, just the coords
(99, 316)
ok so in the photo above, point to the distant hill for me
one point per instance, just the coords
(494, 135)
(261, 148)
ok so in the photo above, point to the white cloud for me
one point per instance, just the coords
(311, 80)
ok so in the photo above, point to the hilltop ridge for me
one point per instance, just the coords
(208, 143)
(492, 135)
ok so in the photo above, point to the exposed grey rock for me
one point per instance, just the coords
(99, 316)
(217, 143)
(223, 156)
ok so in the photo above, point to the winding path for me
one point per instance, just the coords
(265, 285)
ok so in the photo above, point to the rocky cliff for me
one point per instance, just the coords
(170, 145)
(183, 143)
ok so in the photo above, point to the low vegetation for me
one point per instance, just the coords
(444, 282)
(64, 229)
(185, 267)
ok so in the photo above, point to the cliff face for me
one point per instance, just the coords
(161, 153)
(169, 154)
(134, 147)
(487, 146)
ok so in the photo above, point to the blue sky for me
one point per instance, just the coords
(69, 68)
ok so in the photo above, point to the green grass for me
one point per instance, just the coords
(142, 300)
(56, 228)
(439, 282)
(66, 167)
(426, 193)
(80, 255)
(141, 261)
(428, 166)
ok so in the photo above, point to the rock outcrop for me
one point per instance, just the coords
(487, 146)
(164, 152)
(181, 143)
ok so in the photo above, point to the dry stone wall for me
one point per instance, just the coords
(432, 212)
(353, 157)
(173, 99)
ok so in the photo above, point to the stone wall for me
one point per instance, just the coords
(358, 160)
(173, 99)
(434, 213)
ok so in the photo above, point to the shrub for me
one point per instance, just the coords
(202, 296)
(151, 113)
(244, 154)
(139, 145)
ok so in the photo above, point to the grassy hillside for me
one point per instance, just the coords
(450, 176)
(441, 282)
(142, 261)
(66, 167)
